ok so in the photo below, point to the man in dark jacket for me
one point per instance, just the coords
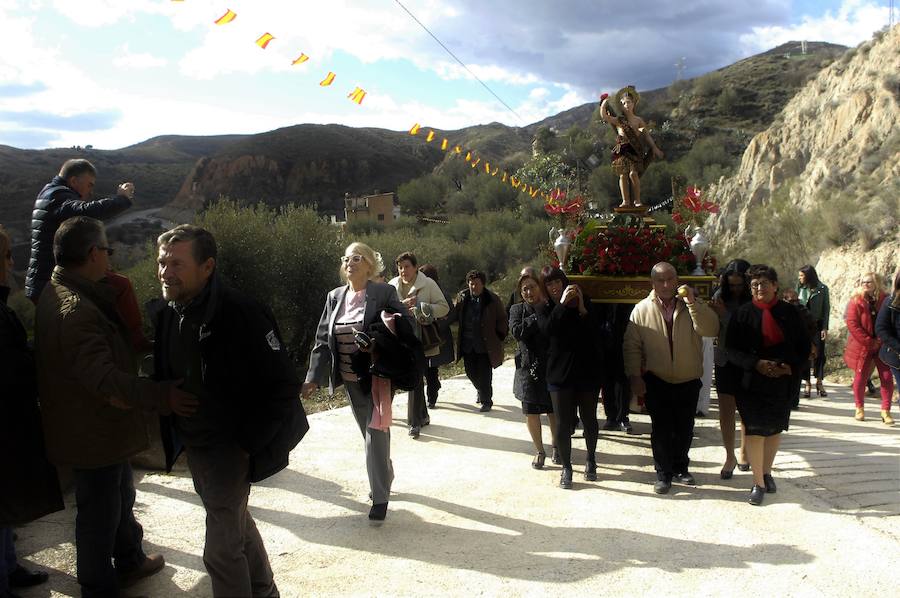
(65, 196)
(92, 404)
(482, 327)
(227, 350)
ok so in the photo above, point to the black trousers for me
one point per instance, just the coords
(818, 364)
(616, 398)
(565, 402)
(481, 375)
(433, 382)
(672, 408)
(416, 411)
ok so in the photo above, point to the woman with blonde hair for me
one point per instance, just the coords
(861, 354)
(349, 308)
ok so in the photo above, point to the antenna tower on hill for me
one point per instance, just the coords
(679, 68)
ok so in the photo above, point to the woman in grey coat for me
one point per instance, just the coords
(354, 306)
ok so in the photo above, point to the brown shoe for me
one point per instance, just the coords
(152, 564)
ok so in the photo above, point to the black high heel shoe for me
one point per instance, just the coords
(820, 390)
(538, 462)
(743, 466)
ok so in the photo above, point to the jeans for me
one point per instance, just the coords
(105, 528)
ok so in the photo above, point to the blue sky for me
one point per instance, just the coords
(112, 73)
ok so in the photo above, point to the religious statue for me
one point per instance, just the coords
(634, 148)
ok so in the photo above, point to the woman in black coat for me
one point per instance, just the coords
(573, 369)
(30, 485)
(530, 382)
(887, 328)
(768, 341)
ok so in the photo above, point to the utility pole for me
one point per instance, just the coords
(680, 65)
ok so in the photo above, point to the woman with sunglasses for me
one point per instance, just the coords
(861, 353)
(768, 341)
(354, 306)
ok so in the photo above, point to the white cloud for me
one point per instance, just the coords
(854, 22)
(485, 72)
(140, 60)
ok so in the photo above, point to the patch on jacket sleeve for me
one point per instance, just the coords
(273, 341)
(67, 304)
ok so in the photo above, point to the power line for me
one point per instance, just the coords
(483, 84)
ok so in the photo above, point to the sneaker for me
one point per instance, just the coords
(152, 564)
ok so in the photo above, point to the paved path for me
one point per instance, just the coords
(469, 517)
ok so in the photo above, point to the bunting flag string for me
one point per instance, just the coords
(358, 94)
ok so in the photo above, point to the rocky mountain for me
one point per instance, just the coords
(831, 157)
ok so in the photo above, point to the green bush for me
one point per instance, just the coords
(424, 195)
(285, 258)
(709, 85)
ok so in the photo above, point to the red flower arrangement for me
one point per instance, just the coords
(628, 251)
(692, 209)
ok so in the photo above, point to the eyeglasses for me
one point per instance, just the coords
(109, 250)
(762, 284)
(351, 259)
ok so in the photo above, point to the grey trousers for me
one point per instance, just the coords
(234, 554)
(378, 444)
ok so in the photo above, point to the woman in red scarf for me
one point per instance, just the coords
(767, 340)
(861, 354)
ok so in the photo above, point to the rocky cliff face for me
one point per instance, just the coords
(837, 140)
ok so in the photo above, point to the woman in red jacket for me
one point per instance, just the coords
(861, 354)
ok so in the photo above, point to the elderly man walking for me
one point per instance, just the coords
(226, 349)
(92, 404)
(663, 350)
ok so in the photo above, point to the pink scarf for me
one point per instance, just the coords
(381, 388)
(771, 331)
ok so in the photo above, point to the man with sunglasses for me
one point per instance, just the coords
(93, 406)
(67, 195)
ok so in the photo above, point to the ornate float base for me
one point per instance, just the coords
(631, 289)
